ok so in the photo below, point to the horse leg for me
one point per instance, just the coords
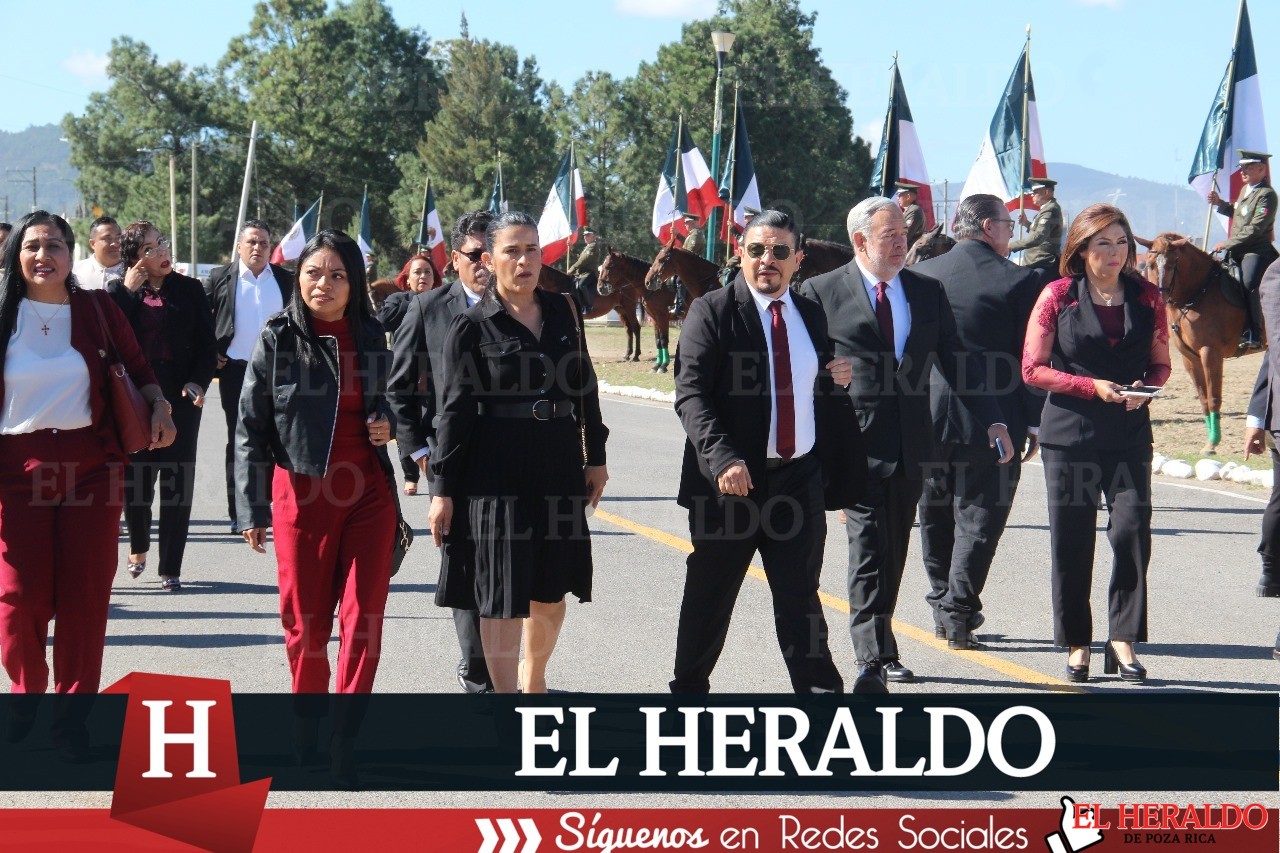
(1195, 370)
(659, 339)
(1211, 364)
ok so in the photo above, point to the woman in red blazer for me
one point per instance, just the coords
(61, 467)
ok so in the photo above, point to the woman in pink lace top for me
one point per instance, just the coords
(1093, 333)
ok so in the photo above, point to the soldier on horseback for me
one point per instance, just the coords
(906, 198)
(1041, 248)
(585, 270)
(1249, 244)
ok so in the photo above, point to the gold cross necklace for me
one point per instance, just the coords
(47, 320)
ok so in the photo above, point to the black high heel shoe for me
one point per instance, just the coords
(1132, 672)
(1078, 673)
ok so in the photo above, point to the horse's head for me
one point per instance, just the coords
(930, 244)
(658, 271)
(605, 283)
(1177, 266)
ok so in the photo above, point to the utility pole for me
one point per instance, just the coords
(32, 179)
(195, 144)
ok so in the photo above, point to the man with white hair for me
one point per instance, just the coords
(894, 326)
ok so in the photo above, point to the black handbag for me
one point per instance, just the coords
(404, 540)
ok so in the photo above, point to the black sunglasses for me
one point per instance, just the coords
(473, 256)
(780, 251)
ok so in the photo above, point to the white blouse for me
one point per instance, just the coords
(46, 381)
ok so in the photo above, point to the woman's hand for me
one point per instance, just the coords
(438, 518)
(1108, 392)
(163, 432)
(1132, 401)
(379, 430)
(597, 476)
(195, 393)
(256, 537)
(134, 278)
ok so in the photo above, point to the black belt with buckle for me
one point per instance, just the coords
(772, 464)
(539, 410)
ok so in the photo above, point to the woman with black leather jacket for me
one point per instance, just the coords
(312, 462)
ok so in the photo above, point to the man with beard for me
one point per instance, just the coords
(416, 391)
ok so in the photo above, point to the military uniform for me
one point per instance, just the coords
(915, 223)
(585, 269)
(1043, 246)
(1253, 218)
(693, 240)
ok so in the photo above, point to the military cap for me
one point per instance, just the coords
(1043, 182)
(906, 187)
(1247, 157)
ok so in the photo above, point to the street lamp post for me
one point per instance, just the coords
(173, 194)
(723, 43)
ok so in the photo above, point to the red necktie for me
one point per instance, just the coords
(884, 315)
(786, 438)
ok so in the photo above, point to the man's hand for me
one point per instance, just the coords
(1218, 247)
(423, 462)
(1255, 441)
(257, 538)
(195, 393)
(1213, 197)
(1001, 432)
(439, 517)
(735, 480)
(1033, 445)
(1023, 221)
(841, 371)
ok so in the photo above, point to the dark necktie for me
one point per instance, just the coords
(786, 437)
(884, 315)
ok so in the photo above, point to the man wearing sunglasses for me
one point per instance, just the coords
(243, 294)
(894, 326)
(416, 393)
(771, 443)
(967, 498)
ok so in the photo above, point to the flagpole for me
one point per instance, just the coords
(946, 204)
(502, 188)
(426, 190)
(679, 168)
(888, 125)
(1026, 131)
(320, 211)
(1222, 129)
(731, 212)
(573, 200)
(244, 191)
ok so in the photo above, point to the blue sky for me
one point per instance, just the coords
(1122, 85)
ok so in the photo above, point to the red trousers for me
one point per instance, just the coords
(333, 541)
(60, 502)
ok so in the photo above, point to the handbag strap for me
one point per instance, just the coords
(582, 410)
(102, 324)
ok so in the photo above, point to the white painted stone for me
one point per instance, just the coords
(1178, 469)
(1227, 469)
(1207, 469)
(1157, 462)
(1240, 474)
(637, 392)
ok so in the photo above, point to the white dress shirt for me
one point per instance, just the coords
(257, 299)
(46, 382)
(897, 303)
(804, 372)
(92, 275)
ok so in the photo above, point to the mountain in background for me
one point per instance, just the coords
(55, 188)
(1151, 207)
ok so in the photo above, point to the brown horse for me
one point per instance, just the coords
(379, 291)
(555, 281)
(699, 276)
(930, 244)
(1206, 325)
(821, 256)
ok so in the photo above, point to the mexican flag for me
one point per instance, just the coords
(430, 234)
(565, 211)
(292, 244)
(900, 157)
(1004, 164)
(739, 187)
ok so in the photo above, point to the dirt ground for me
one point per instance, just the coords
(1176, 416)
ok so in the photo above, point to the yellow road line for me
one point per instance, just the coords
(988, 661)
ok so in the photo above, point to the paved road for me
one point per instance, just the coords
(1209, 633)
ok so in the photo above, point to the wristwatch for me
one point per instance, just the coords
(158, 400)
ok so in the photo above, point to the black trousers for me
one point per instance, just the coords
(410, 468)
(1252, 267)
(785, 521)
(466, 623)
(1269, 547)
(230, 381)
(963, 511)
(1076, 480)
(173, 470)
(879, 531)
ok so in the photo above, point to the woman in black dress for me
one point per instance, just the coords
(512, 486)
(171, 317)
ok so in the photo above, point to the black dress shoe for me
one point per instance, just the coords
(894, 671)
(1131, 672)
(870, 679)
(235, 529)
(465, 682)
(939, 632)
(962, 640)
(1268, 586)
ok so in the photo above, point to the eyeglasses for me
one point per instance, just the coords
(473, 256)
(162, 245)
(1008, 222)
(780, 252)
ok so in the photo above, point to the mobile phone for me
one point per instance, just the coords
(999, 448)
(1141, 391)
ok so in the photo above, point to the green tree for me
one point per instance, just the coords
(493, 102)
(592, 117)
(806, 156)
(162, 108)
(338, 94)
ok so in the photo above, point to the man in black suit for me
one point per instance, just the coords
(967, 498)
(771, 444)
(894, 326)
(1264, 417)
(416, 391)
(243, 295)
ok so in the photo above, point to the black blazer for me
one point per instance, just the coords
(723, 399)
(416, 387)
(393, 309)
(991, 299)
(892, 397)
(220, 287)
(1264, 404)
(188, 325)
